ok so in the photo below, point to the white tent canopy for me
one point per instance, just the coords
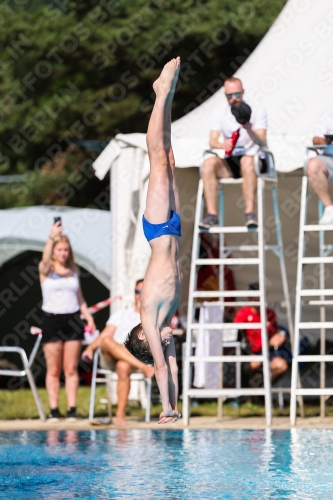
(89, 230)
(289, 73)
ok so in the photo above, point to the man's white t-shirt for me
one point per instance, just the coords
(324, 125)
(124, 320)
(224, 121)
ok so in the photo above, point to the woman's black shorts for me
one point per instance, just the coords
(63, 327)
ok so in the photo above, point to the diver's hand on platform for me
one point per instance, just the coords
(169, 416)
(177, 417)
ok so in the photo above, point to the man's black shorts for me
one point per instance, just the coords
(65, 327)
(235, 167)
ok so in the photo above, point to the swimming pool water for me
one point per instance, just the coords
(149, 464)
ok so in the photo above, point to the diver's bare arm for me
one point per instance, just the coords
(170, 358)
(161, 369)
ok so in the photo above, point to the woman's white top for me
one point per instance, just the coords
(60, 294)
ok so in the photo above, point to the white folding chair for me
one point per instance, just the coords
(109, 378)
(26, 372)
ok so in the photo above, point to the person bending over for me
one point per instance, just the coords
(152, 338)
(114, 355)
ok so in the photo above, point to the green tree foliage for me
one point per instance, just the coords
(77, 69)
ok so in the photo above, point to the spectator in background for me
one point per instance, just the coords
(320, 169)
(115, 356)
(62, 327)
(278, 363)
(241, 162)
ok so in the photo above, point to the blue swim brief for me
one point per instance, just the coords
(172, 226)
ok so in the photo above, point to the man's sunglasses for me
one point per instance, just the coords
(236, 94)
(137, 291)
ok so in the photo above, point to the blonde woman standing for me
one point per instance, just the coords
(62, 327)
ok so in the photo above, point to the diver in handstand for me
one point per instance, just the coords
(152, 340)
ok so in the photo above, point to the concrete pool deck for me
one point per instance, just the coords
(248, 423)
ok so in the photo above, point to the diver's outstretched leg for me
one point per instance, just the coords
(162, 193)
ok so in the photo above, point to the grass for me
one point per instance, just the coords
(19, 404)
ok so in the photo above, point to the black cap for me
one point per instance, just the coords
(242, 112)
(254, 286)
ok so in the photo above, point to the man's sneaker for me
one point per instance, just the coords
(55, 415)
(71, 415)
(251, 220)
(327, 217)
(208, 221)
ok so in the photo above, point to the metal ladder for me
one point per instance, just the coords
(320, 293)
(224, 252)
(236, 345)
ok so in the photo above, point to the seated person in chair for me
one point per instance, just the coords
(320, 169)
(277, 338)
(115, 356)
(251, 120)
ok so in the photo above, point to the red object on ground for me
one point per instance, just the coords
(253, 335)
(234, 139)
